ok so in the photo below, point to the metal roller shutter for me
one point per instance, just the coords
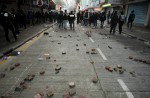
(140, 10)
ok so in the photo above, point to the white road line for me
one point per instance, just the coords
(125, 88)
(91, 39)
(101, 53)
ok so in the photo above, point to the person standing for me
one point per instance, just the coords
(23, 19)
(131, 19)
(86, 17)
(78, 17)
(102, 19)
(71, 19)
(108, 17)
(121, 22)
(5, 21)
(60, 20)
(113, 23)
(15, 21)
(95, 17)
(65, 19)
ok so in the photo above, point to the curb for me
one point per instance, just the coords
(13, 48)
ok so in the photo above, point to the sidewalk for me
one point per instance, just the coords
(24, 36)
(139, 32)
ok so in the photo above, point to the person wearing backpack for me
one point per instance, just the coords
(131, 19)
(121, 22)
(71, 19)
(65, 19)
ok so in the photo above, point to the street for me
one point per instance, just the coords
(115, 62)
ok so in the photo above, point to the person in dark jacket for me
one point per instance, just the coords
(5, 21)
(121, 22)
(23, 19)
(71, 19)
(15, 20)
(95, 17)
(102, 19)
(113, 23)
(78, 17)
(60, 19)
(131, 19)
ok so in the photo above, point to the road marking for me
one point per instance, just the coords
(91, 39)
(101, 53)
(125, 88)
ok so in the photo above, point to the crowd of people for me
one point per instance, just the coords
(14, 20)
(91, 19)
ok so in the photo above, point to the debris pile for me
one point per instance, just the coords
(119, 69)
(139, 60)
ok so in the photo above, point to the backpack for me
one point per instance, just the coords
(132, 16)
(122, 18)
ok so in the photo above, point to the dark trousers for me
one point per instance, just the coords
(71, 25)
(129, 24)
(113, 28)
(102, 24)
(61, 24)
(95, 23)
(120, 26)
(8, 27)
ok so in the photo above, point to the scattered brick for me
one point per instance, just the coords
(63, 52)
(12, 68)
(66, 95)
(71, 84)
(81, 96)
(94, 79)
(2, 75)
(119, 66)
(109, 47)
(87, 52)
(130, 57)
(37, 96)
(18, 89)
(17, 64)
(109, 69)
(50, 93)
(42, 72)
